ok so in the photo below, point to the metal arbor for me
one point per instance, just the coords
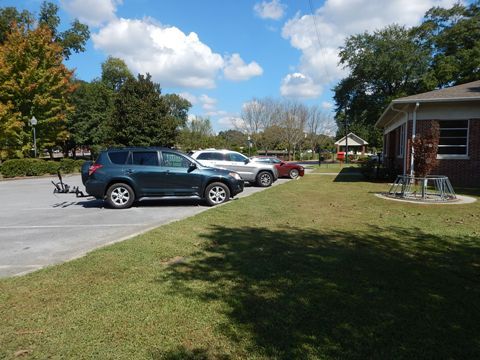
(432, 188)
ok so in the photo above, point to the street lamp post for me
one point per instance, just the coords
(33, 122)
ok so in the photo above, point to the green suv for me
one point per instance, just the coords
(122, 176)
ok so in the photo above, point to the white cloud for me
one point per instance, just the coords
(338, 19)
(92, 12)
(327, 105)
(173, 58)
(231, 122)
(190, 97)
(208, 103)
(237, 70)
(298, 85)
(270, 10)
(216, 113)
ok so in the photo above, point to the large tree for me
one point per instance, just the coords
(383, 65)
(34, 82)
(142, 116)
(394, 62)
(88, 124)
(71, 40)
(453, 38)
(196, 134)
(115, 73)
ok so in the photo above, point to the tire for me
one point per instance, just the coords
(120, 196)
(217, 193)
(264, 179)
(293, 174)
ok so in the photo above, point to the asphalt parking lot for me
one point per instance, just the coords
(39, 228)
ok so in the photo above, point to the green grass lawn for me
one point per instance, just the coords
(317, 268)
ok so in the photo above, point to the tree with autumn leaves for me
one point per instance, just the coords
(33, 82)
(33, 79)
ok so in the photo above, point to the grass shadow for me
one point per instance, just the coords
(349, 174)
(467, 191)
(304, 293)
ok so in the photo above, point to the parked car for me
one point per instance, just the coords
(122, 176)
(257, 173)
(285, 169)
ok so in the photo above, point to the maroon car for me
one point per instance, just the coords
(285, 169)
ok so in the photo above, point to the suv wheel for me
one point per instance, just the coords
(120, 196)
(293, 174)
(264, 179)
(217, 193)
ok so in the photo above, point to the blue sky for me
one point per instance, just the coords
(220, 54)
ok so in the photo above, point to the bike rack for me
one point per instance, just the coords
(62, 188)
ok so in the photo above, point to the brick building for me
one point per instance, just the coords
(457, 111)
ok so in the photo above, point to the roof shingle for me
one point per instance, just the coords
(469, 91)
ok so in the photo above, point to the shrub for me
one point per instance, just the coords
(36, 167)
(51, 167)
(67, 166)
(20, 167)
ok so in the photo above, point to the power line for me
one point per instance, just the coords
(320, 47)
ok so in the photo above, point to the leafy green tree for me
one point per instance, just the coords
(115, 73)
(177, 110)
(142, 117)
(9, 16)
(453, 38)
(196, 134)
(71, 40)
(34, 82)
(232, 139)
(88, 124)
(383, 65)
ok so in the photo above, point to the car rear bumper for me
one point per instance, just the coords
(95, 188)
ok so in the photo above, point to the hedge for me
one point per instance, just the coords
(36, 167)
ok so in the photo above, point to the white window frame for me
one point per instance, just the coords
(457, 156)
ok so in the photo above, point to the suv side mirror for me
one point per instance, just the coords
(192, 167)
(246, 161)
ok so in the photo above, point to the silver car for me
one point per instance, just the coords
(253, 172)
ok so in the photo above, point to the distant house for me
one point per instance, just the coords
(355, 144)
(457, 111)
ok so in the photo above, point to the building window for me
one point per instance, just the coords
(453, 138)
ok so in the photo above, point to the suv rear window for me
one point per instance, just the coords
(118, 157)
(211, 156)
(147, 158)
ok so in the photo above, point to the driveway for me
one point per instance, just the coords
(39, 228)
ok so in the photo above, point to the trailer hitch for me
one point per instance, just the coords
(62, 188)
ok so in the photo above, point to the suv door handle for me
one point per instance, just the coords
(129, 171)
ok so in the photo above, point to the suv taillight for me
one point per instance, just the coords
(93, 168)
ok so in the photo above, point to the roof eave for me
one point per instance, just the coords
(380, 122)
(435, 100)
